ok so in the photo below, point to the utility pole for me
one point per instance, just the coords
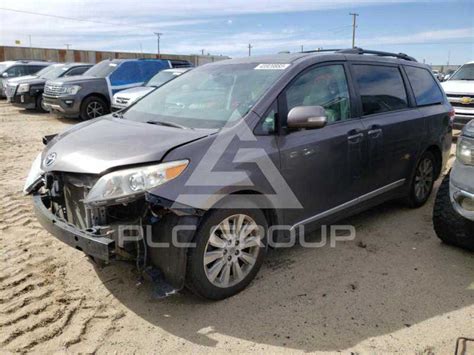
(250, 49)
(449, 57)
(202, 51)
(67, 45)
(302, 49)
(31, 47)
(354, 26)
(158, 35)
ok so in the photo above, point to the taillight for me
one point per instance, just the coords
(451, 114)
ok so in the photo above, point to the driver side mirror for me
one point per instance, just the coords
(5, 75)
(308, 117)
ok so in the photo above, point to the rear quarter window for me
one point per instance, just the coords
(425, 88)
(381, 88)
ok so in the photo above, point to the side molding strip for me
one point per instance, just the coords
(351, 203)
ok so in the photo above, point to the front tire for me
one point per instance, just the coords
(450, 226)
(93, 107)
(40, 107)
(230, 249)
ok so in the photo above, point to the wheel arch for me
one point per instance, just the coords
(436, 151)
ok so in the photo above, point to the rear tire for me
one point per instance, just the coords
(93, 107)
(422, 181)
(450, 226)
(239, 263)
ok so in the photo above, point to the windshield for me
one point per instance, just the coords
(52, 72)
(102, 69)
(207, 97)
(466, 72)
(162, 77)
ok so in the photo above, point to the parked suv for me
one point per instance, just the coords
(453, 215)
(13, 69)
(89, 96)
(460, 91)
(27, 92)
(125, 98)
(200, 175)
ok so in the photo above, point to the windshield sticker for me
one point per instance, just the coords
(271, 66)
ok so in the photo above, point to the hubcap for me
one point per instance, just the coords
(94, 109)
(231, 251)
(424, 179)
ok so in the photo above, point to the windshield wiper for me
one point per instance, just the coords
(117, 114)
(167, 124)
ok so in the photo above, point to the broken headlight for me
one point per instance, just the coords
(34, 176)
(465, 151)
(123, 185)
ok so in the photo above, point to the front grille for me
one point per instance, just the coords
(461, 105)
(68, 192)
(53, 90)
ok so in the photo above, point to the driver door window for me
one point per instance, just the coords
(324, 86)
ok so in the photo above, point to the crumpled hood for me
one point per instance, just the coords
(134, 93)
(96, 146)
(458, 87)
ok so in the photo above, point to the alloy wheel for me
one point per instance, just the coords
(94, 109)
(424, 179)
(232, 250)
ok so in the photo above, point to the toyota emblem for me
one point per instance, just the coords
(49, 160)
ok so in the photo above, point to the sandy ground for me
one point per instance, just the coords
(396, 288)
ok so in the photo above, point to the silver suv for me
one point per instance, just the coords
(453, 216)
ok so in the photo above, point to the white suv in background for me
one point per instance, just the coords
(460, 91)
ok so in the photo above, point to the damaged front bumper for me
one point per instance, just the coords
(90, 242)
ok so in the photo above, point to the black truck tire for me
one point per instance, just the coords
(40, 105)
(93, 107)
(450, 226)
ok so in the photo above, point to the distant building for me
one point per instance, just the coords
(445, 68)
(78, 55)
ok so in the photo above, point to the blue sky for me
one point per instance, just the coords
(429, 30)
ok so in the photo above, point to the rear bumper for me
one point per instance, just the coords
(68, 106)
(98, 246)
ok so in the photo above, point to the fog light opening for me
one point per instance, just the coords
(467, 204)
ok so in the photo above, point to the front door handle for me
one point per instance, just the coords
(355, 136)
(375, 131)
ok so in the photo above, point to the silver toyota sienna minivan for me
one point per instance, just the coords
(201, 176)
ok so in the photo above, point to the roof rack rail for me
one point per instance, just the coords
(322, 50)
(357, 50)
